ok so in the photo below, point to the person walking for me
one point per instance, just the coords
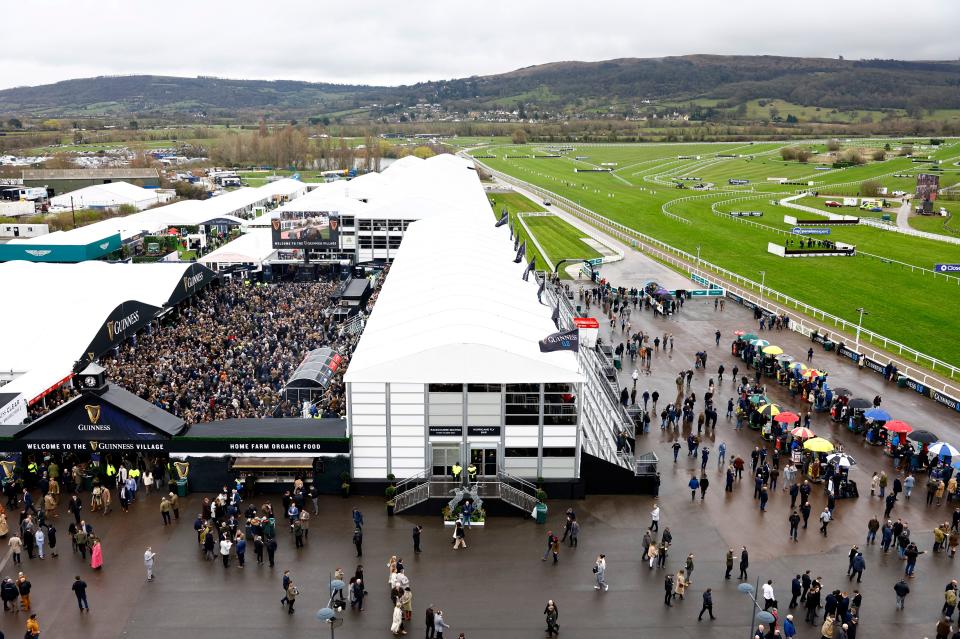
(292, 593)
(165, 509)
(600, 573)
(769, 600)
(655, 518)
(668, 593)
(23, 588)
(729, 560)
(439, 624)
(241, 547)
(857, 567)
(358, 537)
(553, 629)
(416, 538)
(271, 546)
(707, 605)
(357, 518)
(225, 546)
(459, 535)
(16, 547)
(79, 588)
(33, 627)
(429, 619)
(9, 594)
(41, 540)
(902, 590)
(824, 521)
(744, 563)
(794, 525)
(796, 590)
(148, 560)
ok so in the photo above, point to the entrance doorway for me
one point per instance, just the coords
(485, 459)
(444, 456)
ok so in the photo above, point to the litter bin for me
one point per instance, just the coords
(828, 345)
(541, 513)
(88, 482)
(902, 382)
(181, 487)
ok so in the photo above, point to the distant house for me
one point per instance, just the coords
(66, 180)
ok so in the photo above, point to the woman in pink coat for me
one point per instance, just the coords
(96, 556)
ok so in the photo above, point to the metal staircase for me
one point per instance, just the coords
(515, 491)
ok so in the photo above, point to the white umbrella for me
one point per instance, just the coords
(842, 459)
(943, 449)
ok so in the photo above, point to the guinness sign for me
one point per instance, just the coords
(117, 327)
(93, 413)
(191, 281)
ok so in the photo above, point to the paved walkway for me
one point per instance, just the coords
(903, 215)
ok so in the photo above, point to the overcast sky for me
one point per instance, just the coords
(391, 42)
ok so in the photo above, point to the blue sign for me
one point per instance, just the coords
(799, 230)
(947, 268)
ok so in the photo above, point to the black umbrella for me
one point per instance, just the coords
(922, 436)
(841, 392)
(858, 403)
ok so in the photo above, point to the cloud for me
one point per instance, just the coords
(380, 42)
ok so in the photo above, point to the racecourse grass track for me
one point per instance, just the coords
(908, 306)
(559, 239)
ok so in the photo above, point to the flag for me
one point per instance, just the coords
(511, 229)
(530, 267)
(556, 315)
(543, 286)
(568, 340)
(521, 253)
(503, 220)
(516, 242)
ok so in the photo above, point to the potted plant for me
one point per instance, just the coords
(541, 495)
(390, 493)
(345, 484)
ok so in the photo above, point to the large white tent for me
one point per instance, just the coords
(111, 196)
(250, 248)
(60, 308)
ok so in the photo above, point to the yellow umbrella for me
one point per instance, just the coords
(818, 445)
(773, 350)
(769, 410)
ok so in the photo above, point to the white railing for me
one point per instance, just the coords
(739, 284)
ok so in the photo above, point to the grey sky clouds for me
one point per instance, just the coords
(390, 42)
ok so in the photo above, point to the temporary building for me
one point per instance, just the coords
(112, 195)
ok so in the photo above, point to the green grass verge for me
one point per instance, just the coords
(560, 239)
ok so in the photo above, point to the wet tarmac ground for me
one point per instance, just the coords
(498, 586)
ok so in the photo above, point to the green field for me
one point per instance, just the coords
(559, 239)
(905, 305)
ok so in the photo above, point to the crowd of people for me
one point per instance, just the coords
(229, 353)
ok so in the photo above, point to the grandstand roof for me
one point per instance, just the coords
(486, 324)
(63, 307)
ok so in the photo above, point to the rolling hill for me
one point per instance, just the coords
(728, 81)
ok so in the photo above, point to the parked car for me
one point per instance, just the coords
(832, 204)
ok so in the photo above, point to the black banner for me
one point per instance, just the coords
(568, 340)
(874, 365)
(946, 400)
(195, 279)
(243, 446)
(843, 351)
(483, 431)
(446, 431)
(917, 386)
(125, 320)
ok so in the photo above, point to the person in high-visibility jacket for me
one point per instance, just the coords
(456, 469)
